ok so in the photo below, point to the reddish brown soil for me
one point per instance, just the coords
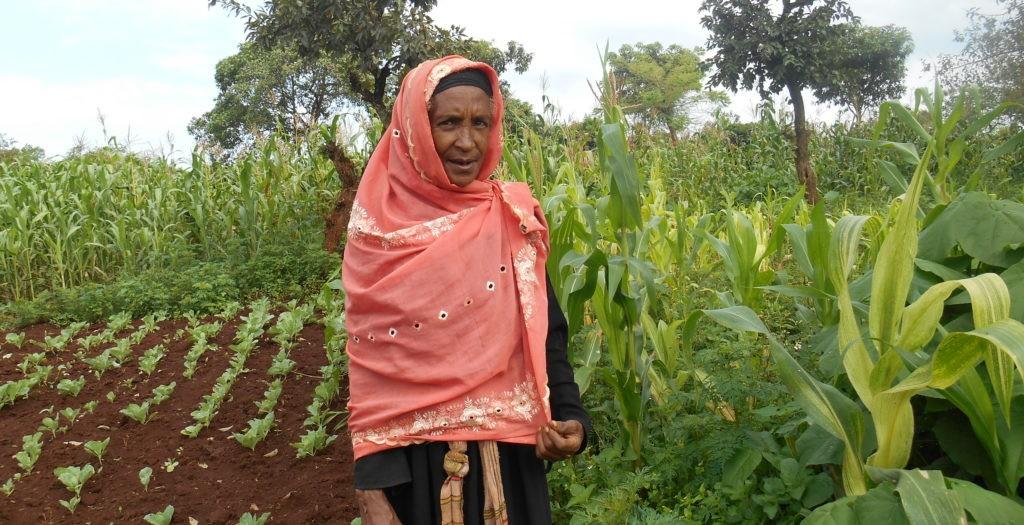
(216, 480)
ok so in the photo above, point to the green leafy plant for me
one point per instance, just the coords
(12, 390)
(281, 365)
(270, 397)
(145, 475)
(101, 363)
(51, 425)
(31, 449)
(163, 392)
(97, 448)
(73, 478)
(256, 431)
(150, 358)
(139, 412)
(16, 339)
(31, 360)
(250, 519)
(70, 387)
(70, 414)
(160, 518)
(7, 488)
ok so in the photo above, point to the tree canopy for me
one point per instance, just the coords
(261, 90)
(658, 85)
(376, 40)
(993, 54)
(870, 65)
(771, 46)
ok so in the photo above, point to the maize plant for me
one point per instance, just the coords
(884, 380)
(81, 220)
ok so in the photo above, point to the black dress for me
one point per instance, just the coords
(411, 476)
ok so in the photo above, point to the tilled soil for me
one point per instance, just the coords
(211, 478)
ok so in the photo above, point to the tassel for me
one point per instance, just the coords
(495, 512)
(456, 465)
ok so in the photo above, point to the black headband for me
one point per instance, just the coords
(466, 77)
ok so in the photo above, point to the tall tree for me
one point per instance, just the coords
(870, 67)
(262, 90)
(379, 40)
(770, 47)
(658, 86)
(992, 57)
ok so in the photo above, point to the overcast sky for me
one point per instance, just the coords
(147, 66)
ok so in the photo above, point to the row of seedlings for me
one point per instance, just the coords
(317, 436)
(289, 324)
(54, 422)
(11, 391)
(200, 335)
(245, 341)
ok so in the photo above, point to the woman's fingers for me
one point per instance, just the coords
(543, 447)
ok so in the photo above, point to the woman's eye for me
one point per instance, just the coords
(481, 124)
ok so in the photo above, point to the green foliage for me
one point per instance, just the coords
(992, 57)
(265, 90)
(145, 475)
(71, 387)
(868, 68)
(256, 431)
(73, 478)
(376, 41)
(97, 448)
(160, 518)
(758, 46)
(31, 448)
(658, 85)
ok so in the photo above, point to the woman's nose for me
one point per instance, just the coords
(464, 139)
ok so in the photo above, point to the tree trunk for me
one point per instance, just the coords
(336, 222)
(673, 135)
(804, 172)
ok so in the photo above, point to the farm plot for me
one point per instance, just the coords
(103, 427)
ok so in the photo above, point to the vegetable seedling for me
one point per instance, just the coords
(8, 487)
(52, 426)
(160, 518)
(139, 412)
(170, 465)
(70, 414)
(71, 387)
(163, 392)
(97, 448)
(145, 474)
(31, 448)
(17, 339)
(74, 479)
(249, 519)
(257, 431)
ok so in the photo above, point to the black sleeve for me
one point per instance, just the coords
(565, 394)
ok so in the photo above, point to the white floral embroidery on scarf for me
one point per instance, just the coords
(526, 278)
(363, 226)
(468, 415)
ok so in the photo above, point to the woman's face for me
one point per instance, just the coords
(460, 123)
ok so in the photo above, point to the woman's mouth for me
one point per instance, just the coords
(462, 164)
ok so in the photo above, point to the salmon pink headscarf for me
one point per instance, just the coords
(446, 306)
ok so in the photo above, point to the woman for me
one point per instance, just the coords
(459, 382)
